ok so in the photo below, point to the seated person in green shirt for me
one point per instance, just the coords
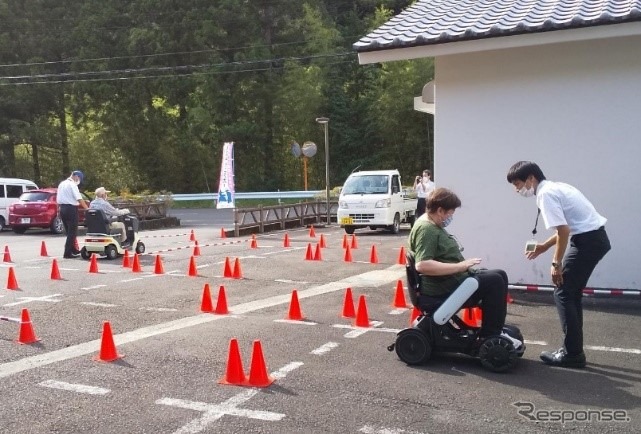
(443, 268)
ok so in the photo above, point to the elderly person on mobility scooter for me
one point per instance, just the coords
(441, 277)
(101, 202)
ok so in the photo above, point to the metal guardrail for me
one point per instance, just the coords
(252, 195)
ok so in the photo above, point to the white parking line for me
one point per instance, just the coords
(613, 349)
(291, 321)
(371, 430)
(324, 348)
(79, 388)
(159, 309)
(86, 288)
(93, 303)
(46, 298)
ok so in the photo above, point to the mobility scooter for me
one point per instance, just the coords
(439, 329)
(99, 240)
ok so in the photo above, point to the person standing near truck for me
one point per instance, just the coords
(424, 187)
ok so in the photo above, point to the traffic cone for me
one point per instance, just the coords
(26, 335)
(509, 298)
(223, 234)
(7, 255)
(399, 296)
(345, 243)
(312, 232)
(416, 312)
(227, 269)
(362, 320)
(75, 244)
(158, 268)
(467, 316)
(12, 283)
(193, 271)
(55, 271)
(238, 272)
(108, 351)
(323, 242)
(135, 266)
(253, 244)
(348, 304)
(348, 254)
(125, 260)
(234, 373)
(373, 256)
(192, 236)
(43, 249)
(221, 303)
(294, 308)
(205, 304)
(309, 255)
(196, 249)
(478, 315)
(354, 242)
(401, 257)
(258, 376)
(286, 242)
(93, 265)
(317, 253)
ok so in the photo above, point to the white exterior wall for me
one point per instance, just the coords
(574, 109)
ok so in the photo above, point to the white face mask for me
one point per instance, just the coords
(526, 192)
(77, 182)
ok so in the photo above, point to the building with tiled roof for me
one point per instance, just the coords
(553, 81)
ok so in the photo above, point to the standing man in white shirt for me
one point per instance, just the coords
(424, 188)
(69, 199)
(565, 209)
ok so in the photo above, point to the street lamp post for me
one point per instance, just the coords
(325, 123)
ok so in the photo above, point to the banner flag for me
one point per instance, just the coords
(226, 190)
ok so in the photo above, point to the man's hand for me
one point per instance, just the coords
(557, 276)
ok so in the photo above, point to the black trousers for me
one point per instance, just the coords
(69, 217)
(585, 252)
(420, 206)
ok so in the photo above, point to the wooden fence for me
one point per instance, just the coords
(279, 216)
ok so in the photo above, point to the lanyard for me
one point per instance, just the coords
(536, 222)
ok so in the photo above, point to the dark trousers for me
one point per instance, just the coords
(420, 206)
(585, 252)
(69, 217)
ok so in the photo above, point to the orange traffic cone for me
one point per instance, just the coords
(401, 257)
(108, 351)
(12, 282)
(253, 244)
(345, 243)
(205, 304)
(43, 249)
(135, 266)
(354, 242)
(312, 232)
(93, 265)
(509, 298)
(467, 316)
(55, 271)
(317, 253)
(286, 242)
(348, 254)
(414, 314)
(125, 260)
(196, 249)
(323, 242)
(373, 256)
(158, 267)
(7, 255)
(294, 308)
(234, 374)
(192, 236)
(478, 315)
(221, 303)
(238, 272)
(26, 335)
(309, 255)
(258, 376)
(362, 320)
(193, 271)
(399, 296)
(223, 234)
(227, 269)
(348, 305)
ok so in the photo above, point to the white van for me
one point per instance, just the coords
(10, 191)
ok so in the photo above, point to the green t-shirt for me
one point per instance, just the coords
(430, 241)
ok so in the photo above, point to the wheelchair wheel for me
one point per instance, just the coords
(84, 253)
(413, 347)
(140, 247)
(497, 354)
(111, 252)
(515, 332)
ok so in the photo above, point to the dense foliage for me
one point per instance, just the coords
(142, 94)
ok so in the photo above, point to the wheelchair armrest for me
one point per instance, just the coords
(456, 300)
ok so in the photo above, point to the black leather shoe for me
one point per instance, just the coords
(73, 255)
(562, 359)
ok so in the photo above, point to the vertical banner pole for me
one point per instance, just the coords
(226, 188)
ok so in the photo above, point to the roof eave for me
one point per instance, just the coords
(501, 42)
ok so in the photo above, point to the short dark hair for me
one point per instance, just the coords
(428, 172)
(443, 198)
(522, 170)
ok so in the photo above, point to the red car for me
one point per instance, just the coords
(38, 209)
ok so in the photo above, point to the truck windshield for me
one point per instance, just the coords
(367, 184)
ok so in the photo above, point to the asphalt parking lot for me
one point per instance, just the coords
(330, 376)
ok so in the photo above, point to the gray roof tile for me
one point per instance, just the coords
(430, 22)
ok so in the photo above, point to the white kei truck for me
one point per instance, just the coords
(375, 199)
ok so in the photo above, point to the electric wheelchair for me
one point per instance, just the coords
(439, 329)
(99, 239)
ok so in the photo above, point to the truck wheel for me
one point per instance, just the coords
(349, 229)
(396, 226)
(411, 220)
